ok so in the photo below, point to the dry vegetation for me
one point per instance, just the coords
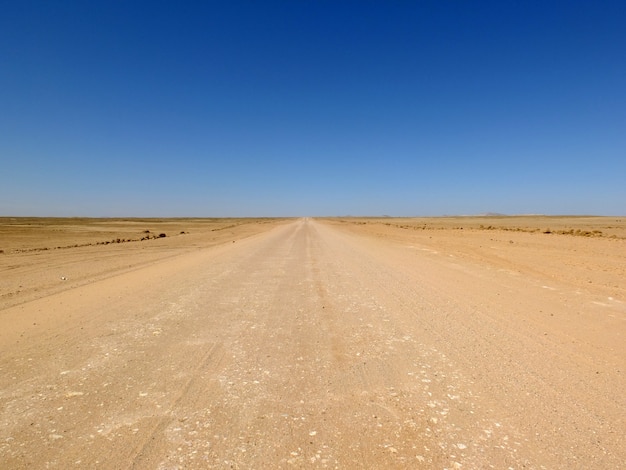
(586, 226)
(22, 234)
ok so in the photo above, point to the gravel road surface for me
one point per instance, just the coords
(310, 345)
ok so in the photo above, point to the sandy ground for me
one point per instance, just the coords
(354, 343)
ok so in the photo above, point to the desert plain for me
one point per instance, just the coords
(452, 342)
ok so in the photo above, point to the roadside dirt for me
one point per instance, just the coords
(40, 256)
(319, 343)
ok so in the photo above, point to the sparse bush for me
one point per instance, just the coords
(162, 235)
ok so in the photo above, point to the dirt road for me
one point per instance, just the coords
(312, 345)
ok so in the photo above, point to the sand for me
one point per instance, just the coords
(334, 343)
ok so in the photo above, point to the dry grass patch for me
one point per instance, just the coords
(583, 226)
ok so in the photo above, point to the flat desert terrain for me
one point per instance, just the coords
(450, 343)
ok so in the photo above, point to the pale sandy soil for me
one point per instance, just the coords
(340, 343)
(39, 256)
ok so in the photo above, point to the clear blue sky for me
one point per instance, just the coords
(294, 108)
